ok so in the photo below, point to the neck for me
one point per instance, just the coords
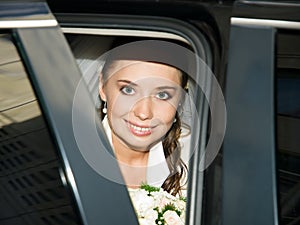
(133, 164)
(128, 156)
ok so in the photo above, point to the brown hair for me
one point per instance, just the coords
(172, 150)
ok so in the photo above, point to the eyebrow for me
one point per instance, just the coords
(128, 82)
(167, 87)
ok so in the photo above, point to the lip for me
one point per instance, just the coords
(139, 130)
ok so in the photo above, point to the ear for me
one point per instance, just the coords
(101, 88)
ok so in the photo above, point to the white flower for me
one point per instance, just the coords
(146, 221)
(181, 205)
(141, 201)
(149, 206)
(182, 216)
(172, 218)
(151, 215)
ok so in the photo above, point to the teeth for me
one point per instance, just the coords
(140, 129)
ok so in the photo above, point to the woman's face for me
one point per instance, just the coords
(142, 99)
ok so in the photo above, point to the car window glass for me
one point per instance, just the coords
(33, 189)
(288, 126)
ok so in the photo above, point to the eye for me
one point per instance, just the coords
(163, 95)
(127, 90)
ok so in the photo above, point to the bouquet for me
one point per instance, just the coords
(155, 206)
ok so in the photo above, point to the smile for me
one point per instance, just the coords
(139, 131)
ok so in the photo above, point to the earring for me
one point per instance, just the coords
(104, 110)
(174, 121)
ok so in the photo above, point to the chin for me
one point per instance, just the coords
(140, 147)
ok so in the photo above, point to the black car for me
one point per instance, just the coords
(244, 162)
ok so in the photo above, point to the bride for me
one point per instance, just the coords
(140, 103)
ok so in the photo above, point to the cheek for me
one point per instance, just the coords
(165, 112)
(120, 104)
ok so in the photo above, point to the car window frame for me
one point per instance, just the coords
(33, 27)
(154, 26)
(241, 192)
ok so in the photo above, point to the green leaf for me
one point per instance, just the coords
(170, 207)
(149, 188)
(182, 198)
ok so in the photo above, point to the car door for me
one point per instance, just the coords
(44, 177)
(260, 147)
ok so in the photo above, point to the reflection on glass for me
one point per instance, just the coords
(31, 189)
(288, 127)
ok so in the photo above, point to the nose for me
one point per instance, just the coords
(143, 108)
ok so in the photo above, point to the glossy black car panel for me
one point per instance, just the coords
(54, 84)
(252, 47)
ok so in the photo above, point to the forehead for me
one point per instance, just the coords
(139, 70)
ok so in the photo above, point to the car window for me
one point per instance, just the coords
(33, 188)
(288, 125)
(90, 48)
